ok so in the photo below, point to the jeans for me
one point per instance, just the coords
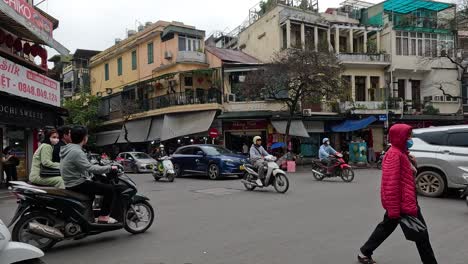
(260, 164)
(92, 188)
(386, 228)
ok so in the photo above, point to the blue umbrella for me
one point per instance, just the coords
(278, 145)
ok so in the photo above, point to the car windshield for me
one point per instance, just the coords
(212, 150)
(141, 155)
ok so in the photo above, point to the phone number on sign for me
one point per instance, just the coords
(38, 92)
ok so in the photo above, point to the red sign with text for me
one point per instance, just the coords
(246, 125)
(32, 15)
(20, 81)
(213, 132)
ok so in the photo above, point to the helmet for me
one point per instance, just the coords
(325, 140)
(256, 138)
(161, 146)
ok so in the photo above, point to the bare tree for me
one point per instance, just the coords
(294, 75)
(129, 108)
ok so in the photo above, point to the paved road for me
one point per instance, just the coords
(201, 221)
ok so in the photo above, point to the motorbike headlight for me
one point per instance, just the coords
(465, 176)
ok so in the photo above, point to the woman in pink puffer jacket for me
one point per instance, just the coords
(398, 195)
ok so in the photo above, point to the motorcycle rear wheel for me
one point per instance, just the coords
(347, 175)
(21, 231)
(249, 178)
(281, 183)
(318, 177)
(132, 216)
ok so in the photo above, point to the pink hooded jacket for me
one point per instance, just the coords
(398, 189)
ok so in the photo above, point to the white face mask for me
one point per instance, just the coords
(54, 141)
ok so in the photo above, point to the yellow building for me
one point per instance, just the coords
(155, 79)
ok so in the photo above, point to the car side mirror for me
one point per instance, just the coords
(130, 158)
(200, 153)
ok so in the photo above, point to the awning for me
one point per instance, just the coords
(137, 131)
(179, 125)
(155, 132)
(297, 128)
(107, 138)
(314, 126)
(353, 125)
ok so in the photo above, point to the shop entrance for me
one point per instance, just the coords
(236, 139)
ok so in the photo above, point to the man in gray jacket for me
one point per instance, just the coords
(257, 155)
(76, 169)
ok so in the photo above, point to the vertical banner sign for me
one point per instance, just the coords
(38, 21)
(20, 81)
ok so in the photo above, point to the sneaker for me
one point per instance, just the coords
(106, 220)
(365, 260)
(259, 182)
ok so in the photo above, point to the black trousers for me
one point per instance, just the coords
(386, 228)
(11, 173)
(92, 188)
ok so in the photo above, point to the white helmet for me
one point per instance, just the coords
(256, 138)
(161, 146)
(325, 140)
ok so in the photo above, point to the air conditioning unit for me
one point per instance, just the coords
(307, 112)
(231, 98)
(168, 55)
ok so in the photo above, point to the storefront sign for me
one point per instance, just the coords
(38, 21)
(246, 125)
(20, 113)
(382, 117)
(25, 15)
(20, 81)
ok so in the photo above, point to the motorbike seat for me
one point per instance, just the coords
(66, 193)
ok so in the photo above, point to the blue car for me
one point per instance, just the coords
(211, 160)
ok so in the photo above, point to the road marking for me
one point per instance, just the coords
(218, 191)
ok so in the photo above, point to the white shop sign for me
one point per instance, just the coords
(20, 81)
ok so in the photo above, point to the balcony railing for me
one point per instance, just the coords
(363, 57)
(191, 56)
(370, 105)
(116, 107)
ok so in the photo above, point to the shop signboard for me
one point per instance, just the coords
(16, 111)
(21, 81)
(382, 117)
(245, 125)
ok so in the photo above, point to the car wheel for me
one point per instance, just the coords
(430, 183)
(177, 171)
(213, 172)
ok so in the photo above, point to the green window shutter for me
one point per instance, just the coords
(150, 53)
(119, 66)
(106, 71)
(134, 60)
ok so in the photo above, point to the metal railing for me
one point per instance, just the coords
(191, 56)
(363, 57)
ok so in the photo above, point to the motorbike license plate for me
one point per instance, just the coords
(242, 167)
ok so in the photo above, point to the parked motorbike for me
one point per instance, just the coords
(381, 157)
(164, 169)
(338, 169)
(273, 176)
(47, 215)
(14, 252)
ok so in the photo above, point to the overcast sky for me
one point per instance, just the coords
(94, 24)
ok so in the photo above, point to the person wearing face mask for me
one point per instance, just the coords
(398, 196)
(43, 158)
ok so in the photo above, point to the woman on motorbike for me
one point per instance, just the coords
(42, 159)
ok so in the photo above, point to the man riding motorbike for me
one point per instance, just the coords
(257, 155)
(326, 152)
(76, 169)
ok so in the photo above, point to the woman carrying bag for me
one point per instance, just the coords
(44, 171)
(398, 195)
